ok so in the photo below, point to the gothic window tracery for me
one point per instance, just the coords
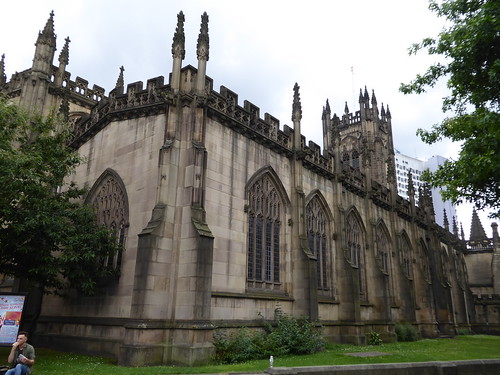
(317, 229)
(424, 263)
(346, 159)
(445, 265)
(355, 159)
(382, 248)
(405, 256)
(109, 200)
(264, 230)
(355, 252)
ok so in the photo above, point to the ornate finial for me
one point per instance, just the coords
(361, 99)
(382, 111)
(3, 77)
(120, 81)
(203, 39)
(326, 110)
(411, 187)
(455, 226)
(446, 224)
(47, 36)
(477, 232)
(388, 113)
(297, 107)
(374, 99)
(462, 235)
(178, 45)
(346, 109)
(367, 97)
(64, 55)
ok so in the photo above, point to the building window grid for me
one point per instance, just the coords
(383, 249)
(354, 246)
(317, 240)
(264, 234)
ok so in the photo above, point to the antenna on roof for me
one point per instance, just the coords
(352, 83)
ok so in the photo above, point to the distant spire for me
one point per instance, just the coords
(346, 109)
(374, 99)
(326, 111)
(178, 45)
(361, 98)
(203, 39)
(382, 111)
(445, 221)
(120, 83)
(462, 235)
(64, 55)
(47, 36)
(297, 107)
(388, 113)
(3, 77)
(477, 232)
(455, 226)
(367, 97)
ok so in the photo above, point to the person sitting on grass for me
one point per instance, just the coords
(21, 356)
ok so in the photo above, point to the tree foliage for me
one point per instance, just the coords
(47, 237)
(470, 46)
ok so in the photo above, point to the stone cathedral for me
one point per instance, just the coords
(225, 214)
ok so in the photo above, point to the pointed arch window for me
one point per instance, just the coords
(346, 159)
(355, 252)
(318, 241)
(264, 231)
(424, 263)
(405, 257)
(109, 199)
(355, 159)
(382, 248)
(445, 260)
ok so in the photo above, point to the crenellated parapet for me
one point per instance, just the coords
(246, 120)
(78, 90)
(137, 101)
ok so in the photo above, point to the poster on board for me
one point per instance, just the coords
(11, 311)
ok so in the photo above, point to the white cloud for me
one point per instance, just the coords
(258, 49)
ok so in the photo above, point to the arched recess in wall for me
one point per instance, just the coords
(405, 255)
(445, 261)
(424, 261)
(354, 251)
(266, 209)
(319, 226)
(461, 269)
(382, 247)
(109, 199)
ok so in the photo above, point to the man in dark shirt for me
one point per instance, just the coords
(21, 356)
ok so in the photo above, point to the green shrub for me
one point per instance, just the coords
(285, 335)
(234, 348)
(464, 331)
(406, 332)
(374, 338)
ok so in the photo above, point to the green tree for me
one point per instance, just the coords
(47, 237)
(470, 47)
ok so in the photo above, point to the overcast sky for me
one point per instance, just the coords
(258, 49)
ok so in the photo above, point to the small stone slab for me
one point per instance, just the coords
(367, 354)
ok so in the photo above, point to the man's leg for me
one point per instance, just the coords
(20, 369)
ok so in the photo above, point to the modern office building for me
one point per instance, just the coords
(406, 164)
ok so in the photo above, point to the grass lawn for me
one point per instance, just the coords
(51, 362)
